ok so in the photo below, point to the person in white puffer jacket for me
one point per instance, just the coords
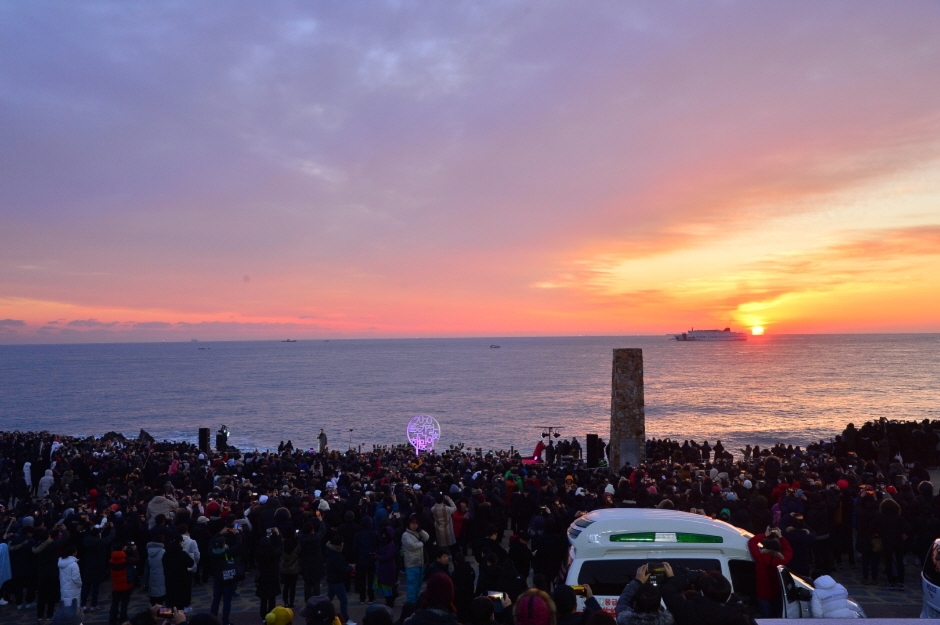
(70, 579)
(831, 600)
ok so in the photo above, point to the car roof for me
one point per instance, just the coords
(653, 529)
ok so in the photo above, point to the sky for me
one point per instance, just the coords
(243, 170)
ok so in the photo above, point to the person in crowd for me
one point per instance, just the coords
(440, 564)
(290, 568)
(224, 550)
(337, 574)
(48, 545)
(311, 556)
(412, 546)
(365, 547)
(892, 530)
(768, 549)
(70, 577)
(97, 544)
(566, 605)
(708, 603)
(124, 558)
(156, 579)
(177, 574)
(535, 607)
(443, 511)
(640, 603)
(268, 581)
(830, 600)
(437, 607)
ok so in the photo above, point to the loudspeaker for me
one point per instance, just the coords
(204, 440)
(221, 441)
(591, 451)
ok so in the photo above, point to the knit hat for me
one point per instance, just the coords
(609, 489)
(202, 520)
(891, 490)
(319, 610)
(532, 610)
(263, 499)
(842, 484)
(68, 614)
(324, 505)
(748, 485)
(440, 591)
(279, 616)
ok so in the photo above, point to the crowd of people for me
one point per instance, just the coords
(458, 536)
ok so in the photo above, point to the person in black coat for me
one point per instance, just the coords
(268, 580)
(802, 540)
(179, 581)
(311, 556)
(95, 569)
(365, 545)
(200, 533)
(893, 530)
(709, 606)
(337, 573)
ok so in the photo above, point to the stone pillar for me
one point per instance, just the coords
(627, 410)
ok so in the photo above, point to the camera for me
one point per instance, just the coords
(165, 612)
(498, 596)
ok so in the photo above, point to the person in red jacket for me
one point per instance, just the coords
(768, 550)
(123, 559)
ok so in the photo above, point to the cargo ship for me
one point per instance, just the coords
(711, 335)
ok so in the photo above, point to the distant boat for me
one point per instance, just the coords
(711, 335)
(289, 341)
(494, 346)
(193, 340)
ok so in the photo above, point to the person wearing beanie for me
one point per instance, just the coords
(535, 607)
(640, 602)
(437, 607)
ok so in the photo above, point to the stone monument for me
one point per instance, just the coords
(627, 410)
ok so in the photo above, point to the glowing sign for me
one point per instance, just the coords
(423, 432)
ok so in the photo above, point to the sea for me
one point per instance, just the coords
(790, 388)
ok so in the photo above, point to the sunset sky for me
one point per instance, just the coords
(245, 170)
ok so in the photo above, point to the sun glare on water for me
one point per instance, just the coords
(757, 330)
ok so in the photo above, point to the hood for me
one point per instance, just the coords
(366, 523)
(825, 582)
(64, 562)
(336, 548)
(159, 499)
(154, 549)
(118, 557)
(48, 472)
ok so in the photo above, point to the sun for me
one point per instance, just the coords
(757, 330)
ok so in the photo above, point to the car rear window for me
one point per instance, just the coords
(610, 576)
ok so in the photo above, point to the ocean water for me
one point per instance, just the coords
(792, 388)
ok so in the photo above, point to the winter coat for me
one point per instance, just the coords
(802, 544)
(365, 542)
(311, 554)
(97, 551)
(890, 527)
(176, 569)
(443, 525)
(47, 556)
(70, 579)
(767, 580)
(386, 566)
(45, 484)
(160, 505)
(268, 580)
(626, 615)
(412, 547)
(157, 582)
(831, 600)
(337, 570)
(698, 610)
(191, 547)
(119, 563)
